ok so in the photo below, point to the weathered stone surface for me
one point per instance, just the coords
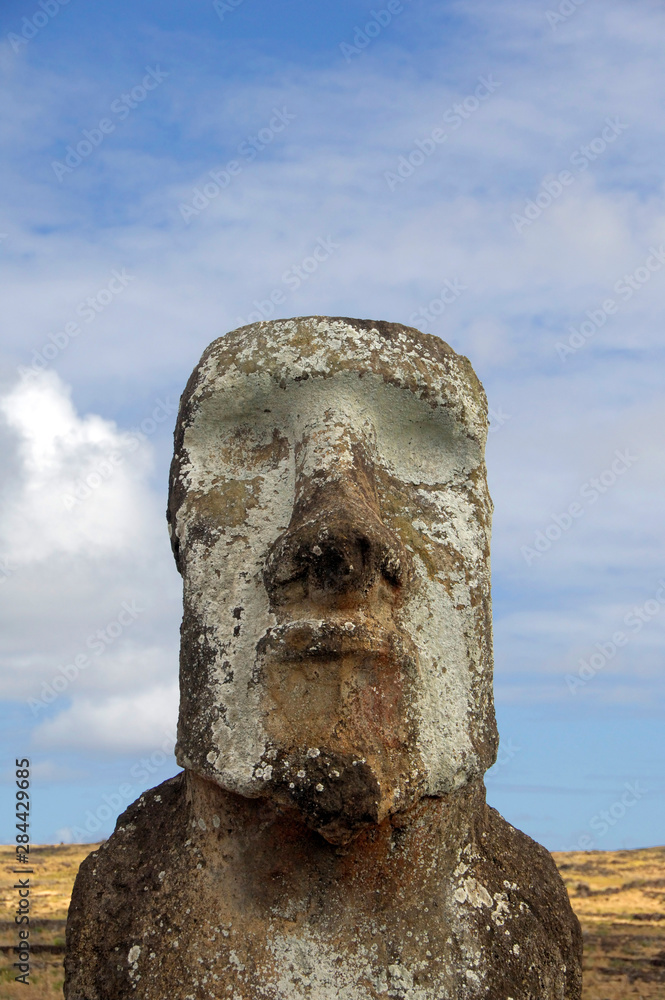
(330, 517)
(202, 893)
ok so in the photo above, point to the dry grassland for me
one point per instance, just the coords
(618, 896)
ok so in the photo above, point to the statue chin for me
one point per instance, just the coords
(337, 795)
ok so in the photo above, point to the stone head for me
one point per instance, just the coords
(330, 517)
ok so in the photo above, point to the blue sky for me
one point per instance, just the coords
(490, 173)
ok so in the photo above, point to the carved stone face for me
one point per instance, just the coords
(330, 517)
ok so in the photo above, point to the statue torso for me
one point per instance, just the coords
(202, 894)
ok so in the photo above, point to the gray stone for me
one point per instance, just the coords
(329, 837)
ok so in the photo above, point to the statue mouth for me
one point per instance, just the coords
(331, 639)
(335, 703)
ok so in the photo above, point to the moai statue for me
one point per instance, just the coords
(328, 837)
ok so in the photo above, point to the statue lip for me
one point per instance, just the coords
(330, 639)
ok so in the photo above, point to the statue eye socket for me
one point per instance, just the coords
(426, 451)
(248, 449)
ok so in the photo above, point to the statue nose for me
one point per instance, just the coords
(336, 544)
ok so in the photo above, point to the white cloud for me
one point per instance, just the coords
(83, 488)
(51, 772)
(91, 598)
(121, 724)
(96, 667)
